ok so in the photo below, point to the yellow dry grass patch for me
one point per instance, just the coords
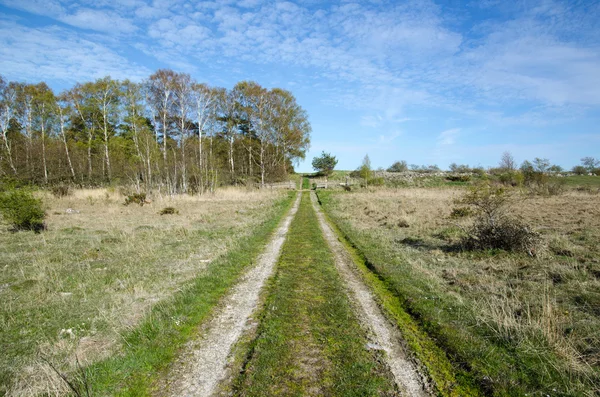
(554, 297)
(101, 265)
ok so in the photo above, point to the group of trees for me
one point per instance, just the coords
(167, 132)
(507, 164)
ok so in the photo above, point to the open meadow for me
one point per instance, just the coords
(511, 323)
(76, 294)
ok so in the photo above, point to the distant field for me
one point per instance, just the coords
(521, 325)
(583, 180)
(77, 288)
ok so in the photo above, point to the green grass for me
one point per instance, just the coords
(448, 379)
(583, 180)
(85, 285)
(498, 364)
(150, 347)
(305, 183)
(309, 341)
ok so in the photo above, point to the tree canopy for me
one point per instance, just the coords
(324, 164)
(168, 132)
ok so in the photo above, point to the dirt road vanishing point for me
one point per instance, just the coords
(203, 365)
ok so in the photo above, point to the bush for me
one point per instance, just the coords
(505, 233)
(458, 178)
(398, 166)
(461, 212)
(61, 191)
(22, 210)
(377, 181)
(493, 228)
(579, 170)
(548, 186)
(136, 198)
(168, 211)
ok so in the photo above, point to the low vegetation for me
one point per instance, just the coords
(22, 210)
(521, 325)
(493, 226)
(116, 287)
(309, 342)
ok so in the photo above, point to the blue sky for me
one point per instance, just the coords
(429, 82)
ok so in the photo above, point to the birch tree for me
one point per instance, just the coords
(65, 112)
(8, 96)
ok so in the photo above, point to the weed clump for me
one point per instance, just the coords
(136, 198)
(458, 178)
(494, 227)
(461, 212)
(168, 211)
(22, 210)
(60, 191)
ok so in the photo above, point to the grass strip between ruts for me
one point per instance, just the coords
(309, 342)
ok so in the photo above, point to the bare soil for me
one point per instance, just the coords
(203, 364)
(383, 334)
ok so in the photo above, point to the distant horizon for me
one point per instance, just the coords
(429, 82)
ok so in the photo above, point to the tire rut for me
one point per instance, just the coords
(384, 335)
(203, 364)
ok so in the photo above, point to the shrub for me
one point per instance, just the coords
(493, 228)
(579, 170)
(377, 181)
(505, 233)
(547, 186)
(136, 198)
(61, 191)
(398, 166)
(22, 210)
(461, 212)
(458, 178)
(168, 211)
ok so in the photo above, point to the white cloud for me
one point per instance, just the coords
(98, 20)
(448, 137)
(58, 54)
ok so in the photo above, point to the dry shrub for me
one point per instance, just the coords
(506, 233)
(461, 212)
(169, 211)
(136, 198)
(493, 227)
(60, 191)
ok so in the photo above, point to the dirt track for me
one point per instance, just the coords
(383, 334)
(203, 365)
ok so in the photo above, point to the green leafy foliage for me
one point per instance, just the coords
(324, 164)
(398, 166)
(22, 210)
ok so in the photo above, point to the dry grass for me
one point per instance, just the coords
(549, 302)
(72, 290)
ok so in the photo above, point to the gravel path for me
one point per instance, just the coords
(203, 364)
(384, 335)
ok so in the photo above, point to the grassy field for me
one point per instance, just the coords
(520, 325)
(103, 278)
(308, 341)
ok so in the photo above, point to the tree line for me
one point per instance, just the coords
(167, 132)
